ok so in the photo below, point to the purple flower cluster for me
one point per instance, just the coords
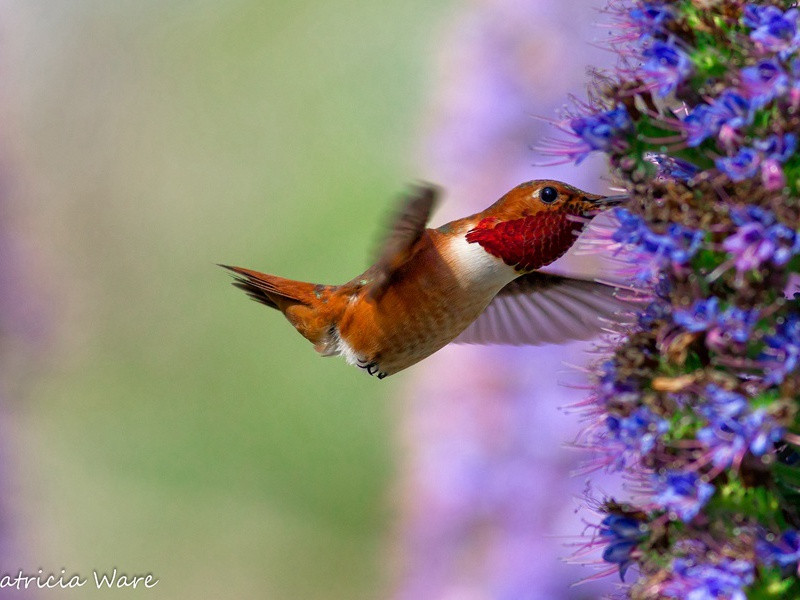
(698, 403)
(700, 581)
(734, 109)
(760, 239)
(758, 85)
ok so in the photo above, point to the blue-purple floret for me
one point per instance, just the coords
(601, 131)
(783, 551)
(704, 315)
(679, 244)
(682, 493)
(759, 239)
(733, 428)
(632, 229)
(722, 404)
(666, 66)
(742, 165)
(737, 323)
(729, 436)
(698, 125)
(611, 388)
(781, 353)
(763, 432)
(700, 317)
(773, 28)
(674, 168)
(725, 580)
(777, 147)
(650, 17)
(775, 150)
(623, 535)
(763, 82)
(639, 431)
(794, 69)
(731, 108)
(654, 311)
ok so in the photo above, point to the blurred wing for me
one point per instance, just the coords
(540, 308)
(405, 230)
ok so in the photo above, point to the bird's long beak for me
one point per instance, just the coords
(606, 201)
(593, 205)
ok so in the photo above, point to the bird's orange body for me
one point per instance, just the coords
(430, 285)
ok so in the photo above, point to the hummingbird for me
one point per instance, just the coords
(475, 280)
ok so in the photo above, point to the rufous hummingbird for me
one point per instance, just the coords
(473, 280)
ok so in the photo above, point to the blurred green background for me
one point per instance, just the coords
(170, 425)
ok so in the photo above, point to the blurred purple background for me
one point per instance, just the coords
(488, 502)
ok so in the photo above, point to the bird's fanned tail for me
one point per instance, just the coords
(307, 306)
(275, 292)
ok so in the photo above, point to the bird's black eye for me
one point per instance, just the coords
(548, 194)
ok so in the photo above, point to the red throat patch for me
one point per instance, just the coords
(528, 243)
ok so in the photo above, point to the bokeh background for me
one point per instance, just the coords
(155, 421)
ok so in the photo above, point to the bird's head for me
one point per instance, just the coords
(536, 222)
(549, 196)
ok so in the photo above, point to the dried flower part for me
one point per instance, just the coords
(699, 400)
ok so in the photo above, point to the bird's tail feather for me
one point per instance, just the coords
(275, 292)
(303, 304)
